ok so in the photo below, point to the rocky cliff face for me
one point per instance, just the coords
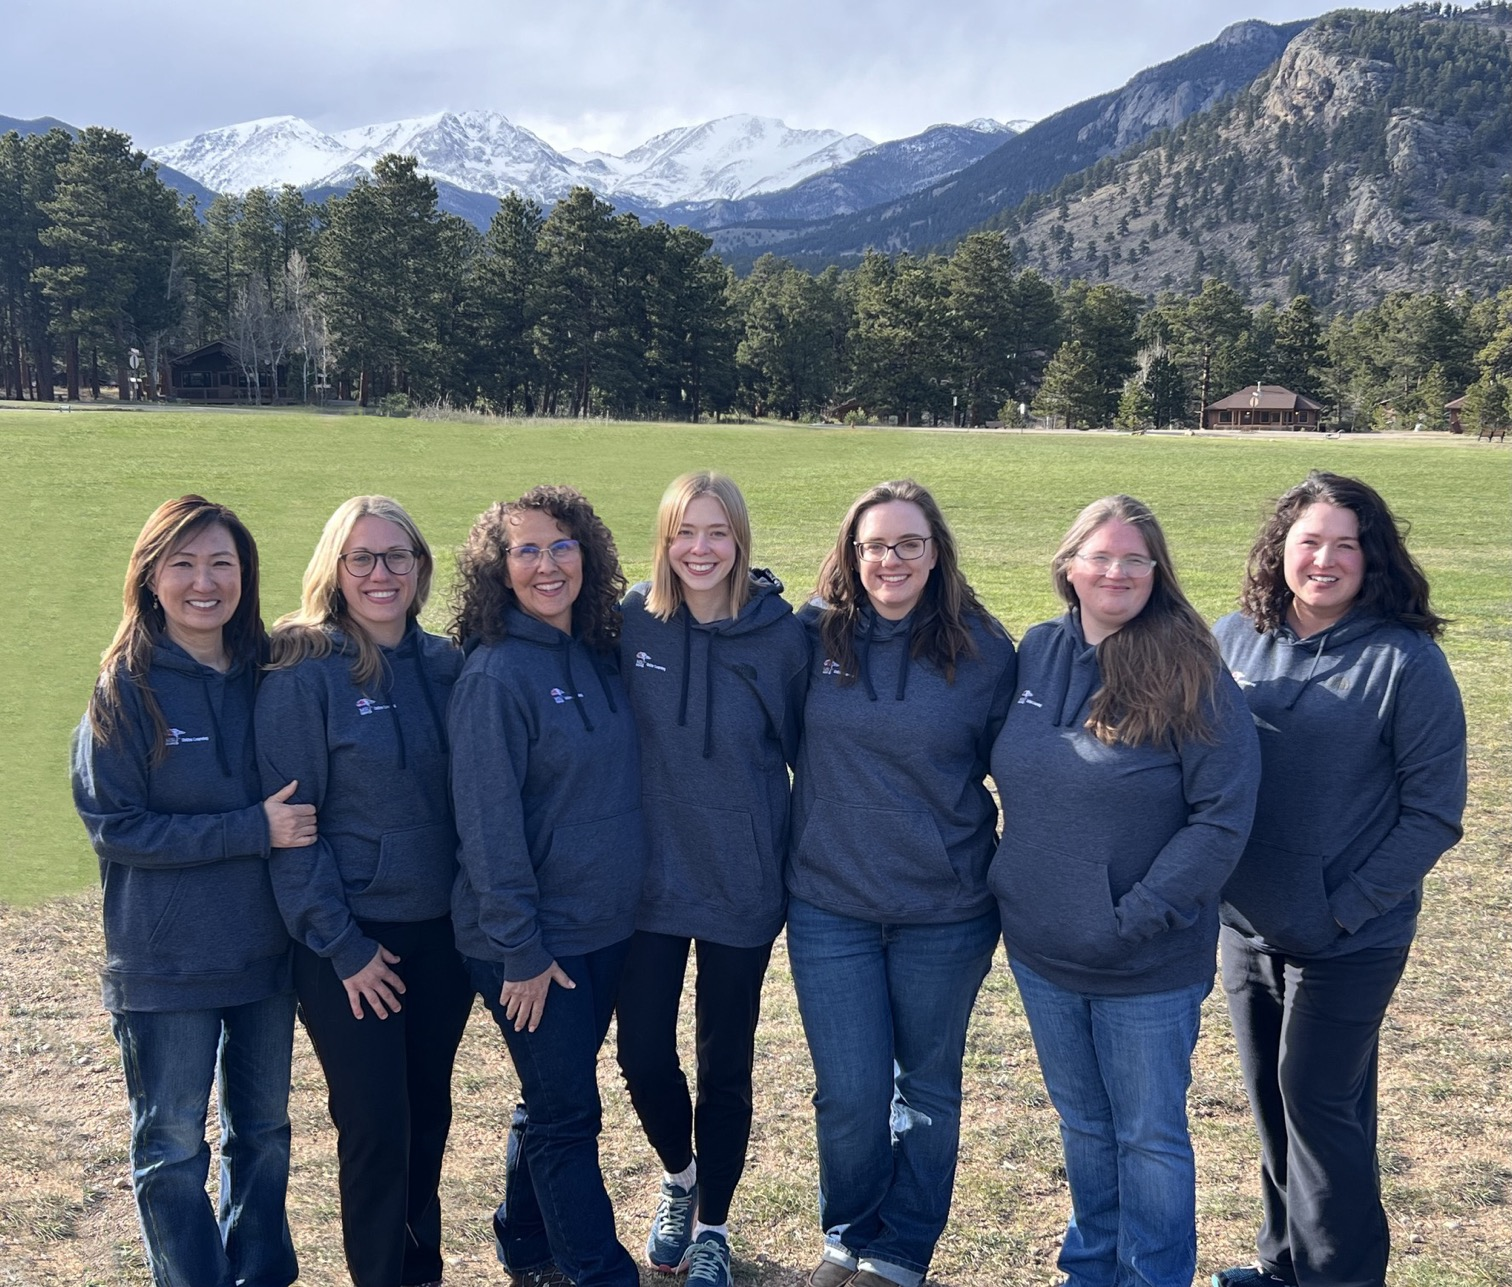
(1365, 161)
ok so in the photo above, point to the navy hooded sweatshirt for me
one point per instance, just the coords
(546, 785)
(719, 707)
(892, 822)
(373, 762)
(1112, 857)
(190, 921)
(1362, 742)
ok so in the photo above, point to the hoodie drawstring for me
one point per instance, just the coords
(565, 652)
(220, 742)
(1311, 671)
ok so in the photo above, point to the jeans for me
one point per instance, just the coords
(1308, 1033)
(389, 1094)
(172, 1058)
(557, 1065)
(1117, 1069)
(727, 1005)
(885, 1009)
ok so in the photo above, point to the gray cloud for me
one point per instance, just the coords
(601, 73)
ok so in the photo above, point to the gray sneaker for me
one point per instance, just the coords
(672, 1229)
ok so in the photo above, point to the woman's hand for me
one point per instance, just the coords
(290, 826)
(377, 983)
(525, 1001)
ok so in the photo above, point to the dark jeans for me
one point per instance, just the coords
(1308, 1034)
(389, 1083)
(557, 1065)
(172, 1059)
(727, 1006)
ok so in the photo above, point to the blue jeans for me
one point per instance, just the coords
(172, 1058)
(557, 1065)
(1117, 1069)
(885, 1009)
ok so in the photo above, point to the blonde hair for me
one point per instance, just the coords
(1159, 669)
(666, 595)
(306, 632)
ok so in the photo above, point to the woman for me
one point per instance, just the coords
(715, 664)
(1362, 740)
(196, 974)
(354, 708)
(1127, 770)
(547, 791)
(891, 926)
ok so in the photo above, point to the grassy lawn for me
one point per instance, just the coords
(78, 487)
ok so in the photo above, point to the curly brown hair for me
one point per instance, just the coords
(941, 634)
(482, 592)
(1394, 584)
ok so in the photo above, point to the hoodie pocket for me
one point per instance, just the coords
(592, 872)
(415, 868)
(1282, 896)
(702, 855)
(1057, 907)
(888, 860)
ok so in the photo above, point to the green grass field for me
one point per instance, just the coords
(78, 487)
(75, 492)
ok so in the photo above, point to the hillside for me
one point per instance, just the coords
(1033, 161)
(1375, 156)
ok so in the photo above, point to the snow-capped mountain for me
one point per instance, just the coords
(734, 156)
(256, 154)
(486, 152)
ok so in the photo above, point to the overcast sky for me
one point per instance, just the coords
(603, 74)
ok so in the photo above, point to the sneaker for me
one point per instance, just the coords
(546, 1276)
(866, 1278)
(708, 1261)
(829, 1273)
(672, 1230)
(1250, 1276)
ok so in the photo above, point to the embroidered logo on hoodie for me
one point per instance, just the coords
(1026, 698)
(832, 667)
(559, 696)
(177, 737)
(643, 662)
(367, 706)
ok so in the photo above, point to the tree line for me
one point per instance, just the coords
(378, 294)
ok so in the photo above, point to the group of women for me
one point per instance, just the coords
(583, 787)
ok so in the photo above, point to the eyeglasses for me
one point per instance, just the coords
(908, 549)
(559, 552)
(398, 561)
(1133, 565)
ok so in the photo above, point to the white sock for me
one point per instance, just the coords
(723, 1230)
(684, 1179)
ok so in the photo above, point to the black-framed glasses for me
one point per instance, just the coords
(1133, 565)
(399, 561)
(558, 552)
(908, 549)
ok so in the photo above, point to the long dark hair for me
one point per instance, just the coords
(143, 623)
(941, 634)
(482, 591)
(1394, 585)
(1159, 668)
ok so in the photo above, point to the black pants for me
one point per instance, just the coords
(727, 1006)
(1308, 1034)
(389, 1083)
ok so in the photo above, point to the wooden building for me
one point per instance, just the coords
(1456, 410)
(212, 374)
(1263, 406)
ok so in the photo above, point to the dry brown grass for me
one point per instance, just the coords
(66, 1214)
